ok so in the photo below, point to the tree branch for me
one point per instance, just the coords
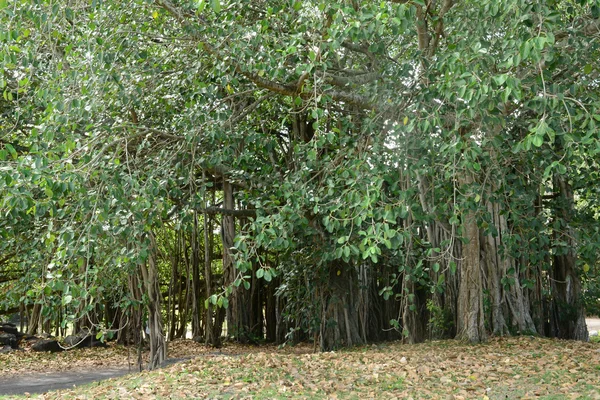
(248, 110)
(351, 80)
(224, 211)
(290, 89)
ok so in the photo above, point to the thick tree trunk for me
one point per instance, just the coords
(470, 317)
(439, 232)
(491, 258)
(132, 334)
(340, 325)
(34, 319)
(238, 312)
(270, 312)
(535, 294)
(413, 312)
(518, 305)
(567, 319)
(414, 321)
(156, 337)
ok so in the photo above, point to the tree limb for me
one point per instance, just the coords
(290, 89)
(224, 211)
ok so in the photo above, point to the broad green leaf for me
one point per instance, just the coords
(537, 140)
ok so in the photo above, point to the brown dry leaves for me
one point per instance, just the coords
(503, 368)
(25, 361)
(28, 361)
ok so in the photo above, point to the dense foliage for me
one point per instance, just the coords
(342, 171)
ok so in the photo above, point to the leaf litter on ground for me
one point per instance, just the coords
(521, 367)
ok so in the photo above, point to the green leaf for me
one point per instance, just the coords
(525, 50)
(268, 275)
(260, 273)
(216, 5)
(11, 150)
(452, 266)
(441, 279)
(500, 79)
(537, 140)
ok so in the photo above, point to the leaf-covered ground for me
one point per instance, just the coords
(114, 356)
(521, 367)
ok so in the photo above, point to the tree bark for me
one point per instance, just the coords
(238, 311)
(211, 337)
(156, 337)
(470, 317)
(567, 319)
(196, 289)
(340, 325)
(34, 319)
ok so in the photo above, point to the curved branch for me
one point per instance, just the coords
(284, 89)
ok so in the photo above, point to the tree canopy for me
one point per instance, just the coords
(344, 171)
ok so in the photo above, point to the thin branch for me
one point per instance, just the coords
(224, 211)
(352, 80)
(276, 87)
(248, 110)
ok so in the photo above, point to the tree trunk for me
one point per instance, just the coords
(567, 319)
(187, 300)
(34, 319)
(174, 287)
(270, 313)
(491, 258)
(413, 313)
(196, 289)
(238, 312)
(413, 322)
(211, 337)
(470, 317)
(340, 324)
(156, 337)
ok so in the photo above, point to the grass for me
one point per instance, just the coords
(503, 368)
